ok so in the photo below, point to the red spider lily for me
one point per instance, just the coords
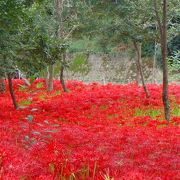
(92, 132)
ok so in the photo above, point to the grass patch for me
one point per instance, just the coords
(42, 97)
(112, 116)
(39, 85)
(161, 126)
(22, 88)
(58, 92)
(176, 111)
(149, 112)
(103, 107)
(25, 102)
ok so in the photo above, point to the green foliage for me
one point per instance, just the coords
(148, 49)
(40, 46)
(30, 118)
(174, 66)
(114, 22)
(89, 45)
(29, 35)
(79, 64)
(12, 15)
(32, 79)
(12, 12)
(174, 45)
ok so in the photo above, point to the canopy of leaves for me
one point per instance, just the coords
(12, 13)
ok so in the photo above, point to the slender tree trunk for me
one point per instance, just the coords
(50, 77)
(59, 19)
(164, 60)
(137, 74)
(163, 37)
(60, 34)
(154, 65)
(62, 73)
(2, 86)
(12, 92)
(154, 62)
(138, 59)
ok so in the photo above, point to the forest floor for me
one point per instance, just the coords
(93, 132)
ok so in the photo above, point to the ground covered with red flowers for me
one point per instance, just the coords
(92, 132)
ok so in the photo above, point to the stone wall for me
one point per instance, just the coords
(116, 69)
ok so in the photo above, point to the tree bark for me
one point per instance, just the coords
(139, 68)
(62, 73)
(59, 19)
(60, 34)
(154, 65)
(12, 92)
(164, 60)
(154, 61)
(163, 39)
(137, 74)
(50, 77)
(2, 86)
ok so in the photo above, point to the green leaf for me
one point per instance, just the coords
(30, 118)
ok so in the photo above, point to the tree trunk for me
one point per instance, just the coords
(154, 65)
(154, 61)
(62, 73)
(12, 92)
(137, 74)
(163, 37)
(164, 60)
(2, 86)
(50, 77)
(60, 34)
(59, 19)
(138, 60)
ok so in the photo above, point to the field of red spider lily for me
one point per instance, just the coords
(93, 132)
